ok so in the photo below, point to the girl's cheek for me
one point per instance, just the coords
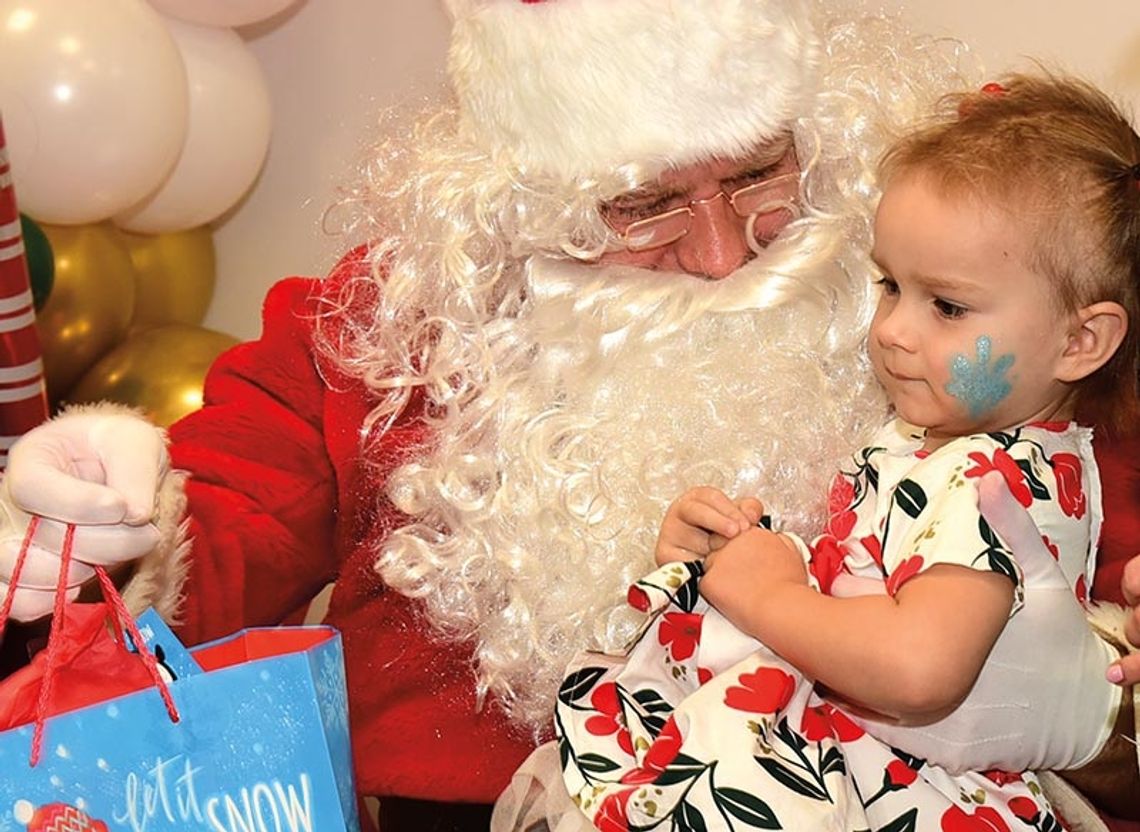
(981, 380)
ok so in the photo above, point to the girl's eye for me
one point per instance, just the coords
(948, 309)
(888, 285)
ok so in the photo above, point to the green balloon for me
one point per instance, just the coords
(41, 261)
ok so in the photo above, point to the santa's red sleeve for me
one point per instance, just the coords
(280, 500)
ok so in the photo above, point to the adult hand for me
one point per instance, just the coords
(701, 521)
(1030, 708)
(1129, 667)
(97, 470)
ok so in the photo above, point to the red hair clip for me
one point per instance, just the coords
(966, 104)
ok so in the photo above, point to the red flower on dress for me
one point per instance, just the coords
(681, 632)
(764, 692)
(1025, 810)
(822, 721)
(826, 562)
(840, 517)
(903, 573)
(985, 819)
(1067, 469)
(612, 814)
(899, 775)
(660, 754)
(1051, 546)
(1002, 778)
(637, 598)
(1007, 465)
(846, 729)
(874, 548)
(605, 701)
(1082, 591)
(703, 675)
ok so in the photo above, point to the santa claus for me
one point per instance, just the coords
(629, 257)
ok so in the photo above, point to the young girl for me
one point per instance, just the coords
(1008, 237)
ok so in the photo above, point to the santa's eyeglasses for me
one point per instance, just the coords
(766, 207)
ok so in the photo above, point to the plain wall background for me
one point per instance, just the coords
(334, 65)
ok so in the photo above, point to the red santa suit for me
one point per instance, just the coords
(282, 501)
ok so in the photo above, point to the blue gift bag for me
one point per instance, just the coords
(261, 745)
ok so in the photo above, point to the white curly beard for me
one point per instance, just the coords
(616, 390)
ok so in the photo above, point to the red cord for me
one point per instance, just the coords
(52, 660)
(112, 596)
(14, 580)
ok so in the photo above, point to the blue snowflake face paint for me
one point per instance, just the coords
(979, 384)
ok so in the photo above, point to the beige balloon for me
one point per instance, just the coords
(175, 275)
(91, 303)
(160, 370)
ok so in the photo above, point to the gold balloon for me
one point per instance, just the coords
(91, 304)
(174, 275)
(159, 370)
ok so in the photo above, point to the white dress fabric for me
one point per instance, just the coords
(700, 727)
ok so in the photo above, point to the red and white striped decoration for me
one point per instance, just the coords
(23, 396)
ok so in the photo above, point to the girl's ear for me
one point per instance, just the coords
(1098, 330)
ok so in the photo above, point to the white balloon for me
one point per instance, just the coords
(226, 140)
(94, 101)
(221, 12)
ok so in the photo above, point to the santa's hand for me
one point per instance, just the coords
(1031, 708)
(1127, 670)
(700, 521)
(99, 471)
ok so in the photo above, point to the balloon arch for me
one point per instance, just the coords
(131, 126)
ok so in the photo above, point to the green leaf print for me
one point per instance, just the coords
(579, 683)
(1002, 563)
(746, 808)
(689, 592)
(913, 762)
(1006, 440)
(989, 537)
(688, 818)
(833, 760)
(651, 701)
(596, 763)
(903, 823)
(790, 780)
(794, 739)
(1036, 487)
(910, 497)
(652, 710)
(681, 769)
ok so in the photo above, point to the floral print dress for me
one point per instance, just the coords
(698, 726)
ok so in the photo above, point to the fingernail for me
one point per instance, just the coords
(1115, 674)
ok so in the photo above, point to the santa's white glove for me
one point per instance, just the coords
(1042, 700)
(98, 470)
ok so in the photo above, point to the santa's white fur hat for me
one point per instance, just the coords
(574, 88)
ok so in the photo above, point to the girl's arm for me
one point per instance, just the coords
(913, 656)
